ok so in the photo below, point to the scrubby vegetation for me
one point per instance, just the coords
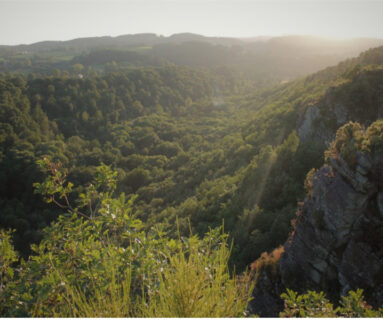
(192, 149)
(181, 149)
(316, 305)
(181, 139)
(268, 264)
(352, 140)
(97, 261)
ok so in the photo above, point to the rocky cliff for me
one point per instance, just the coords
(360, 98)
(337, 242)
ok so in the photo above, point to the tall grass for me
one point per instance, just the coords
(112, 300)
(198, 284)
(195, 282)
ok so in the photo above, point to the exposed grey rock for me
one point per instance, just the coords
(336, 246)
(337, 243)
(305, 127)
(341, 113)
(364, 162)
(358, 182)
(311, 127)
(361, 170)
(267, 302)
(321, 120)
(321, 265)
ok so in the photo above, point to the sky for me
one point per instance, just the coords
(29, 21)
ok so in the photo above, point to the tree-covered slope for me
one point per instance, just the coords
(86, 122)
(197, 149)
(194, 145)
(262, 61)
(335, 245)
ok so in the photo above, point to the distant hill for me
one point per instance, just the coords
(261, 60)
(305, 43)
(123, 41)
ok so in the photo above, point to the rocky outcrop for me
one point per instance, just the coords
(267, 302)
(335, 246)
(360, 99)
(337, 242)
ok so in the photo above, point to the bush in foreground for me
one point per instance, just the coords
(98, 261)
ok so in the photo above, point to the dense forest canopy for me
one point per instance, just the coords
(191, 143)
(193, 130)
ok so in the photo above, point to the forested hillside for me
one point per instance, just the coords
(190, 144)
(193, 149)
(264, 61)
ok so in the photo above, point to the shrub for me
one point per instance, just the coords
(352, 139)
(348, 141)
(268, 263)
(308, 184)
(316, 305)
(197, 283)
(97, 261)
(8, 257)
(374, 138)
(311, 304)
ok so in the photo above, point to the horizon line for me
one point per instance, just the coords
(322, 37)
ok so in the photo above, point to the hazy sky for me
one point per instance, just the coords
(27, 21)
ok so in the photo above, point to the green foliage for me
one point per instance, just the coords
(311, 304)
(110, 300)
(55, 184)
(268, 264)
(102, 263)
(352, 139)
(196, 283)
(348, 141)
(374, 138)
(308, 184)
(199, 144)
(192, 147)
(354, 306)
(8, 257)
(316, 305)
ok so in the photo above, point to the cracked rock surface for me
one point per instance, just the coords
(338, 237)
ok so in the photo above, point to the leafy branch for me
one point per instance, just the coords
(56, 189)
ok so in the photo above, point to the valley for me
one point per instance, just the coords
(145, 151)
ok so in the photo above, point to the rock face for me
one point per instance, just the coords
(267, 302)
(338, 237)
(336, 244)
(359, 100)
